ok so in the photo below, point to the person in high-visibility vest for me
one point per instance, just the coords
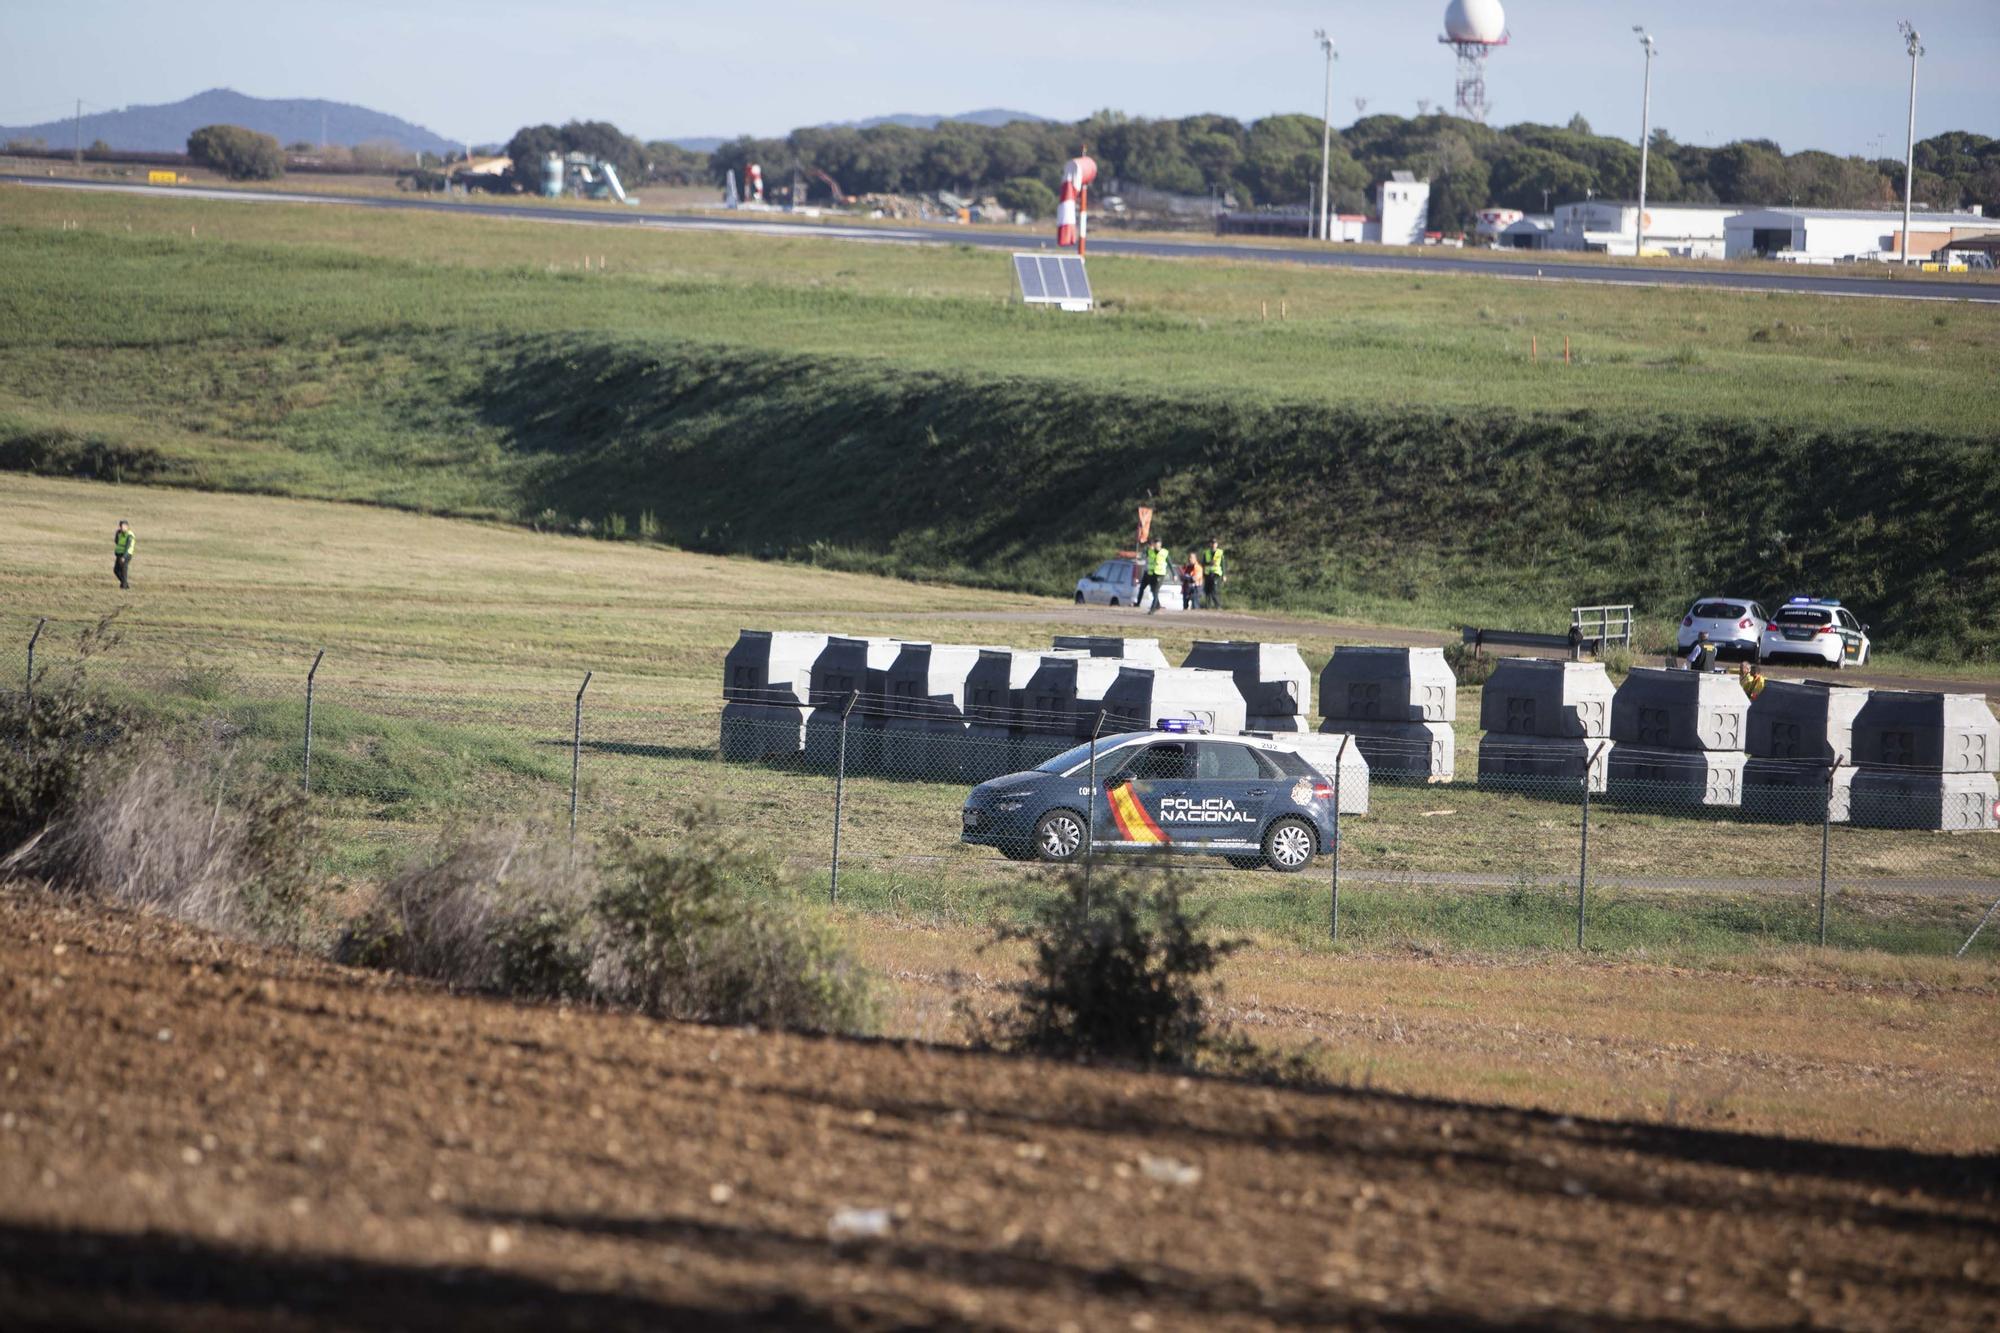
(123, 543)
(1751, 679)
(1212, 582)
(1156, 569)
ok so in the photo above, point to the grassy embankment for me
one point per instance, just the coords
(1386, 451)
(455, 650)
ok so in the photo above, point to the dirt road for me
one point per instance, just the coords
(195, 1134)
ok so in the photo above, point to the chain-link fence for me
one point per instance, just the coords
(1507, 843)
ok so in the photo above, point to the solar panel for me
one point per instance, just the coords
(1057, 280)
(1079, 281)
(1030, 275)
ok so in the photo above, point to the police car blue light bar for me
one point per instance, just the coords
(1181, 726)
(1813, 601)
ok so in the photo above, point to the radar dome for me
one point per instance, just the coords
(1480, 21)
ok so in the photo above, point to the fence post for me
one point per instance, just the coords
(306, 770)
(1825, 839)
(840, 792)
(1339, 762)
(32, 639)
(1583, 854)
(1090, 806)
(576, 754)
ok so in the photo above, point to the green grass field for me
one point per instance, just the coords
(455, 650)
(1379, 447)
(185, 273)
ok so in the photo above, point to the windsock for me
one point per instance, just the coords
(753, 176)
(1077, 174)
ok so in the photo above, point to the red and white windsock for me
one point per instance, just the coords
(754, 177)
(1073, 204)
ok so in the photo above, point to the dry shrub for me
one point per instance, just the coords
(695, 929)
(162, 830)
(700, 929)
(1119, 971)
(500, 908)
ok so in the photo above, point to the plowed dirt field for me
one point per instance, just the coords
(199, 1134)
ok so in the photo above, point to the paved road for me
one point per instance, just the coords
(1798, 281)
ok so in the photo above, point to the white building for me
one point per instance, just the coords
(1404, 205)
(1831, 234)
(1608, 226)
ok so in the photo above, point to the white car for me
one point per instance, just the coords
(1116, 583)
(1817, 628)
(1735, 626)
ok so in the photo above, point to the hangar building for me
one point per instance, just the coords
(1830, 234)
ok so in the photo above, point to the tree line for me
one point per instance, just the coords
(1272, 161)
(1276, 161)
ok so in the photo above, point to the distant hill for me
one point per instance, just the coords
(991, 116)
(165, 128)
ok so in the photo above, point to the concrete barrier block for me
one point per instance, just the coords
(1065, 692)
(1675, 779)
(1806, 720)
(1790, 791)
(1535, 697)
(1403, 751)
(1323, 752)
(1290, 723)
(1272, 677)
(1551, 766)
(924, 733)
(1956, 802)
(771, 666)
(1364, 684)
(754, 733)
(1662, 709)
(1141, 696)
(1139, 652)
(1939, 733)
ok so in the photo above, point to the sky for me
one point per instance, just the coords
(1828, 74)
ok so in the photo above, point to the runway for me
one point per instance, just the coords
(1693, 274)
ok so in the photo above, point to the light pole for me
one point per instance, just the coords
(1326, 136)
(1645, 143)
(1915, 43)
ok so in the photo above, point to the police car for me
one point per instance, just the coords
(1253, 801)
(1819, 628)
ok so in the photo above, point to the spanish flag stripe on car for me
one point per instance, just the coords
(1134, 824)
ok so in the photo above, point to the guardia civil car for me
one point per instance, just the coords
(1819, 629)
(1253, 801)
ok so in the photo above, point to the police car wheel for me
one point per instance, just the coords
(1289, 845)
(1058, 836)
(1079, 599)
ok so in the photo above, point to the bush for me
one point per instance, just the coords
(1025, 194)
(698, 929)
(240, 154)
(46, 756)
(1119, 971)
(1471, 668)
(501, 908)
(155, 829)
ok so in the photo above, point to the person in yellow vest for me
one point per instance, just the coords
(1211, 563)
(123, 543)
(1156, 569)
(1191, 582)
(1751, 679)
